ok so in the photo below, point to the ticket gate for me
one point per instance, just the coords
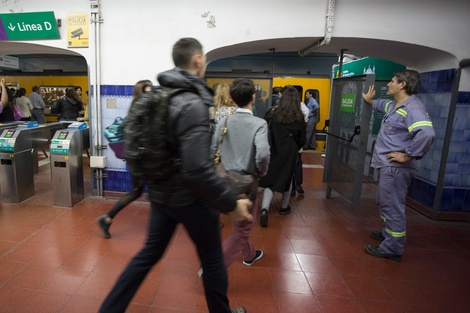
(67, 164)
(41, 138)
(16, 165)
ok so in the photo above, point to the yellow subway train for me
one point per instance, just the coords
(51, 86)
(319, 85)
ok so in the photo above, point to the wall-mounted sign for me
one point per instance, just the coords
(28, 26)
(347, 102)
(8, 61)
(77, 30)
(382, 69)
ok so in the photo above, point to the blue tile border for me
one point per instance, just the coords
(453, 199)
(116, 90)
(464, 97)
(437, 81)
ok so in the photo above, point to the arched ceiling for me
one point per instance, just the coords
(22, 49)
(414, 56)
(411, 55)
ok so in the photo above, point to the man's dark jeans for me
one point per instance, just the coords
(202, 225)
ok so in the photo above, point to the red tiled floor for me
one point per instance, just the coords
(55, 259)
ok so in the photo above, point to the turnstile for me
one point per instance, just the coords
(67, 165)
(41, 138)
(16, 165)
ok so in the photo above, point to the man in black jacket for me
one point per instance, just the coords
(192, 195)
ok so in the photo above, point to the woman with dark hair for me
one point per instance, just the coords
(70, 105)
(104, 221)
(24, 104)
(288, 135)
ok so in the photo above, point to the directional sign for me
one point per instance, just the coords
(28, 26)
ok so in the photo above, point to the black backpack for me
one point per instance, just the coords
(151, 157)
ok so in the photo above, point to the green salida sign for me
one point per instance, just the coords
(347, 102)
(28, 26)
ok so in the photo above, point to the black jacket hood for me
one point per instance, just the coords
(179, 78)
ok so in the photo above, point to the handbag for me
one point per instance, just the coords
(244, 186)
(17, 113)
(118, 147)
(115, 135)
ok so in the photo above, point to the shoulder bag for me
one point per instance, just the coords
(17, 112)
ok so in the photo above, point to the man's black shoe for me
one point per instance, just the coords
(104, 222)
(284, 211)
(376, 251)
(377, 234)
(300, 190)
(263, 219)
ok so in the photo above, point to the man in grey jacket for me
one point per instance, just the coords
(245, 150)
(37, 113)
(192, 195)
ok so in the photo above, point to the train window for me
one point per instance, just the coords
(13, 86)
(299, 89)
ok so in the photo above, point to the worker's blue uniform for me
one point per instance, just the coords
(407, 129)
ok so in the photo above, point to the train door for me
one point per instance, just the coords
(263, 87)
(320, 86)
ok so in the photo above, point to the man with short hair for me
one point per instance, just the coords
(37, 113)
(277, 92)
(245, 150)
(192, 195)
(405, 137)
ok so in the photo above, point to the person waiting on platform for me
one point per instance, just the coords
(104, 221)
(37, 113)
(70, 105)
(277, 93)
(298, 178)
(24, 104)
(313, 119)
(287, 126)
(6, 104)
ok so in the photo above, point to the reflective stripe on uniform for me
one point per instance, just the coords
(402, 112)
(396, 234)
(419, 124)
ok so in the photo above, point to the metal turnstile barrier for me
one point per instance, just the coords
(16, 165)
(66, 150)
(41, 138)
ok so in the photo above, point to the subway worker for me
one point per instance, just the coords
(405, 136)
(192, 196)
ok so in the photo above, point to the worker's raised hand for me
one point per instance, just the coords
(369, 96)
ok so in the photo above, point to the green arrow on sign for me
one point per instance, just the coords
(28, 26)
